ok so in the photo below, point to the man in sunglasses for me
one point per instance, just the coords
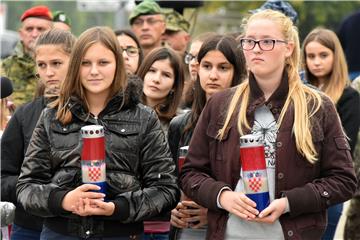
(148, 23)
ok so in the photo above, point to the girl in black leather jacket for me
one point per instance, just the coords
(140, 172)
(52, 53)
(163, 76)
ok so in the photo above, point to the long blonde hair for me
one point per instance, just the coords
(299, 95)
(72, 84)
(338, 78)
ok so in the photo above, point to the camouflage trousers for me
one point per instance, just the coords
(352, 225)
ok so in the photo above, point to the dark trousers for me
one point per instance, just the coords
(20, 233)
(334, 214)
(156, 236)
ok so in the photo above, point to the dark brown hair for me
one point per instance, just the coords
(228, 46)
(132, 35)
(167, 109)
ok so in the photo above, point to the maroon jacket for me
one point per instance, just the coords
(310, 188)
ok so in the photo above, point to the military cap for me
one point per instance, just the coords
(175, 21)
(60, 16)
(281, 6)
(146, 7)
(37, 12)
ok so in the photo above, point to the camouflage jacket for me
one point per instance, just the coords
(20, 68)
(351, 230)
(356, 85)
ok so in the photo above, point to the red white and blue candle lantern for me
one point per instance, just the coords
(182, 155)
(252, 158)
(93, 166)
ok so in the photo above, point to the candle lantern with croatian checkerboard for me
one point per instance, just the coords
(93, 166)
(252, 158)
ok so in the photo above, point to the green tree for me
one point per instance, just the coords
(226, 16)
(80, 20)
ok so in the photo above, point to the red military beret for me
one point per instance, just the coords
(38, 12)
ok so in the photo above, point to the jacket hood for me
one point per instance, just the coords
(133, 91)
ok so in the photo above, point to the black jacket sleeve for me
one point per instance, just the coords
(174, 135)
(12, 155)
(348, 108)
(34, 186)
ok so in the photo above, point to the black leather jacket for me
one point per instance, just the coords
(141, 179)
(14, 142)
(176, 136)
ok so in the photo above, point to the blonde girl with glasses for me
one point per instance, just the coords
(308, 162)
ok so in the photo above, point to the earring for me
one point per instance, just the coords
(171, 92)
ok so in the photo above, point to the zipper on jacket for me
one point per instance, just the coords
(96, 120)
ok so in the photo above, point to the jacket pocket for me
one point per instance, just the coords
(67, 178)
(65, 137)
(213, 130)
(124, 145)
(124, 137)
(216, 149)
(342, 144)
(212, 133)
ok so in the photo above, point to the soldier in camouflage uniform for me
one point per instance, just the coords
(177, 31)
(20, 67)
(148, 23)
(352, 225)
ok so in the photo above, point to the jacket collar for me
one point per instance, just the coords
(276, 100)
(121, 101)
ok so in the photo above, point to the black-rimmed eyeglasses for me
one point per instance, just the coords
(189, 57)
(131, 51)
(264, 44)
(150, 21)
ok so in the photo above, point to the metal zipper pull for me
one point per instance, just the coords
(96, 119)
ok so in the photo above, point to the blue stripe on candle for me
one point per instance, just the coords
(262, 200)
(102, 185)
